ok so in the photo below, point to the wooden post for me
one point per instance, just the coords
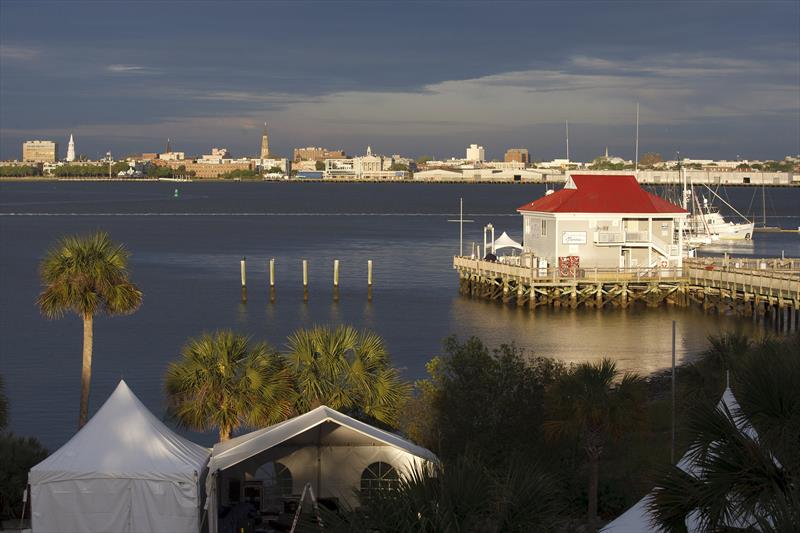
(305, 280)
(243, 268)
(272, 280)
(369, 280)
(335, 280)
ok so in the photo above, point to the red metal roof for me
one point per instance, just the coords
(600, 193)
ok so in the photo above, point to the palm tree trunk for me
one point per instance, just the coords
(594, 462)
(86, 369)
(224, 434)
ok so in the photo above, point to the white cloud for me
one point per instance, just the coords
(130, 69)
(19, 53)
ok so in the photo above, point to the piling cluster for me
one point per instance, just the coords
(304, 263)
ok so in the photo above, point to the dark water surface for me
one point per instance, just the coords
(186, 254)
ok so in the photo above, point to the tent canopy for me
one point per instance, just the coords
(123, 440)
(123, 472)
(504, 241)
(335, 429)
(638, 519)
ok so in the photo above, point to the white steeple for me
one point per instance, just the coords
(71, 149)
(369, 150)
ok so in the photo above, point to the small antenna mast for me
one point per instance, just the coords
(567, 125)
(636, 161)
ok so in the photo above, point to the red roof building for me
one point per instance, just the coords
(586, 193)
(603, 221)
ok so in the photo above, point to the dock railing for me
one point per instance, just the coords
(555, 275)
(779, 278)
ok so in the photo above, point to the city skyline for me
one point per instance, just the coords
(713, 80)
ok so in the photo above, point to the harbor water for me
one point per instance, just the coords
(186, 249)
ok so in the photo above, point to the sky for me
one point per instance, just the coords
(712, 79)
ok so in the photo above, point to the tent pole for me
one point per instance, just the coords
(24, 504)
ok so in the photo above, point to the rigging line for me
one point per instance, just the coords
(726, 203)
(752, 199)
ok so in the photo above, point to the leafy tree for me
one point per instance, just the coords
(87, 275)
(347, 370)
(421, 160)
(649, 159)
(18, 171)
(224, 382)
(743, 166)
(399, 167)
(319, 165)
(240, 174)
(18, 455)
(742, 479)
(589, 405)
(481, 401)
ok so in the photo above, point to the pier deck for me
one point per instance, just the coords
(766, 289)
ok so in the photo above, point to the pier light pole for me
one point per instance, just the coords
(672, 448)
(461, 221)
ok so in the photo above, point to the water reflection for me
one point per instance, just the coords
(639, 339)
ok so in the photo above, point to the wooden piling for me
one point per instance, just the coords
(272, 280)
(335, 280)
(369, 280)
(243, 268)
(305, 280)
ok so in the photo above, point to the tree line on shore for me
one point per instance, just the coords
(526, 443)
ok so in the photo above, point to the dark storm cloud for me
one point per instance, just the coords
(123, 75)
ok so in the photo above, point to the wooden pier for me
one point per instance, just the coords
(765, 289)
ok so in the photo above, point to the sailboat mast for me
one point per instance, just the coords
(763, 205)
(566, 123)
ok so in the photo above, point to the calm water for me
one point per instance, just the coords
(186, 254)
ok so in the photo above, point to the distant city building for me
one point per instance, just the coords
(505, 165)
(216, 156)
(265, 143)
(71, 149)
(149, 156)
(316, 153)
(475, 153)
(519, 155)
(280, 166)
(40, 151)
(339, 168)
(172, 156)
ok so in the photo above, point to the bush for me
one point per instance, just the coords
(19, 455)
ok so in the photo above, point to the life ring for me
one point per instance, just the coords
(664, 264)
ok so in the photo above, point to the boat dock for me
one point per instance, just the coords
(765, 289)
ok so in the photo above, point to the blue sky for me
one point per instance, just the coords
(713, 79)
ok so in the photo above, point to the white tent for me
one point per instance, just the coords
(124, 471)
(323, 447)
(638, 519)
(504, 241)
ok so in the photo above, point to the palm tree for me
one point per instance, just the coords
(223, 382)
(590, 405)
(742, 478)
(87, 275)
(460, 496)
(348, 370)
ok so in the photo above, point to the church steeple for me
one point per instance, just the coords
(71, 149)
(265, 143)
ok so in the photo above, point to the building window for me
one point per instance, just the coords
(377, 477)
(544, 228)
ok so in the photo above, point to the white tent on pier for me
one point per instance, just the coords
(504, 241)
(124, 471)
